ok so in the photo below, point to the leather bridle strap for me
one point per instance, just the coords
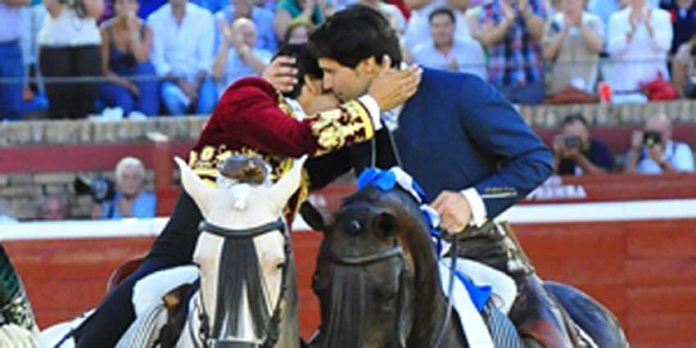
(362, 260)
(278, 225)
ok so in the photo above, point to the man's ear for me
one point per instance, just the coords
(312, 85)
(368, 66)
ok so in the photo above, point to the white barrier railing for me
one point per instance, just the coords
(525, 214)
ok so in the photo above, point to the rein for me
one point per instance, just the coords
(272, 327)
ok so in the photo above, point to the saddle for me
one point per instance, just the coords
(535, 312)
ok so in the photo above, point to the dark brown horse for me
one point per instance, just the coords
(378, 282)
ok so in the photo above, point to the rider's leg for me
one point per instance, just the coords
(496, 245)
(173, 247)
(14, 304)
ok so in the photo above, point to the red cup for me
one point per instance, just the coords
(604, 90)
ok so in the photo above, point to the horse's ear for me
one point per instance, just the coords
(316, 219)
(288, 184)
(386, 224)
(194, 186)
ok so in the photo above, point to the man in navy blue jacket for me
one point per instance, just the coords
(461, 140)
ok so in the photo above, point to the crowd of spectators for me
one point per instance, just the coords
(174, 57)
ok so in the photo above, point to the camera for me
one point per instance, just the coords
(100, 189)
(571, 142)
(652, 138)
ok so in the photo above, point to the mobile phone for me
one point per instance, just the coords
(652, 138)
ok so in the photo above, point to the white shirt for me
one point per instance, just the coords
(677, 154)
(182, 49)
(11, 19)
(468, 54)
(68, 29)
(418, 27)
(642, 59)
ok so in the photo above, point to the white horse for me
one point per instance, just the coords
(248, 286)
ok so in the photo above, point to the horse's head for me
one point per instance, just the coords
(366, 269)
(242, 251)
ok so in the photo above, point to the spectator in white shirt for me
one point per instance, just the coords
(653, 151)
(182, 52)
(444, 51)
(573, 40)
(640, 37)
(238, 55)
(417, 29)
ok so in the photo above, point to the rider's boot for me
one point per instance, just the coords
(14, 303)
(535, 312)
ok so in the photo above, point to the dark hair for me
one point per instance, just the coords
(442, 11)
(572, 118)
(353, 35)
(306, 65)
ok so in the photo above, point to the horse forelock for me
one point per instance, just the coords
(347, 305)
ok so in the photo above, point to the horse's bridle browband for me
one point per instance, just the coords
(362, 260)
(277, 225)
(273, 327)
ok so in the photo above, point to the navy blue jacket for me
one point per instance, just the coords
(456, 132)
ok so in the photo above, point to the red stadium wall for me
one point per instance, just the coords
(644, 271)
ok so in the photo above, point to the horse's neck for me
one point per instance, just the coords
(431, 306)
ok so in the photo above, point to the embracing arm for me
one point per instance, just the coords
(250, 114)
(499, 130)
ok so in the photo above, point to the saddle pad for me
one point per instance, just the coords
(504, 292)
(150, 289)
(145, 330)
(470, 319)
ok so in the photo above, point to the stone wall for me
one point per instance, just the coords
(20, 194)
(188, 128)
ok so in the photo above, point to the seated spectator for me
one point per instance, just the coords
(298, 32)
(182, 52)
(238, 55)
(125, 52)
(653, 151)
(130, 200)
(444, 51)
(263, 20)
(684, 69)
(418, 26)
(683, 14)
(573, 40)
(312, 11)
(11, 64)
(576, 153)
(54, 208)
(512, 30)
(640, 37)
(69, 47)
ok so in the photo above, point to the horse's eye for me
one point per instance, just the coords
(355, 226)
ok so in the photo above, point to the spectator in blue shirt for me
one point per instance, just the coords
(575, 153)
(262, 18)
(11, 65)
(130, 199)
(683, 13)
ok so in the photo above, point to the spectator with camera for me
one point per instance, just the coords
(69, 46)
(129, 199)
(576, 153)
(126, 42)
(653, 151)
(11, 65)
(182, 52)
